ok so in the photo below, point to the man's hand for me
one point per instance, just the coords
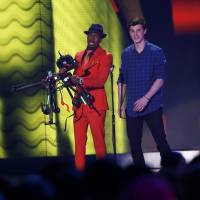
(140, 104)
(76, 80)
(121, 111)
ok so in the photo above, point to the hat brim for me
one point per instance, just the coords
(103, 35)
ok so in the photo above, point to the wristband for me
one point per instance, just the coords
(147, 98)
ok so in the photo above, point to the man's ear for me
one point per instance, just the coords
(100, 39)
(145, 31)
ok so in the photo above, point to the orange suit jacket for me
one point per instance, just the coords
(95, 75)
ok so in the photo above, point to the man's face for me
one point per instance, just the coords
(93, 40)
(137, 33)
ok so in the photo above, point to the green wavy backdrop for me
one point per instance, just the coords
(26, 53)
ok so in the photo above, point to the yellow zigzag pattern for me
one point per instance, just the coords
(26, 46)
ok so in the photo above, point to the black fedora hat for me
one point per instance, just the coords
(96, 28)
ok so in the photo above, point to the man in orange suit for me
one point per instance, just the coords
(93, 69)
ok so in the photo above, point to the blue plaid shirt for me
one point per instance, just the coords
(138, 71)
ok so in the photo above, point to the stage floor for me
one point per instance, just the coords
(32, 165)
(152, 159)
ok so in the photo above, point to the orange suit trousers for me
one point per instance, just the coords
(96, 122)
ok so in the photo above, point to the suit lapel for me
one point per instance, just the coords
(93, 61)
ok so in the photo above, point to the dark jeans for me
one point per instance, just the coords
(134, 131)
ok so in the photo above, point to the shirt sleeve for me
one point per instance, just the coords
(122, 71)
(160, 64)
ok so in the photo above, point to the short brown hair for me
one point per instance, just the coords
(137, 21)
